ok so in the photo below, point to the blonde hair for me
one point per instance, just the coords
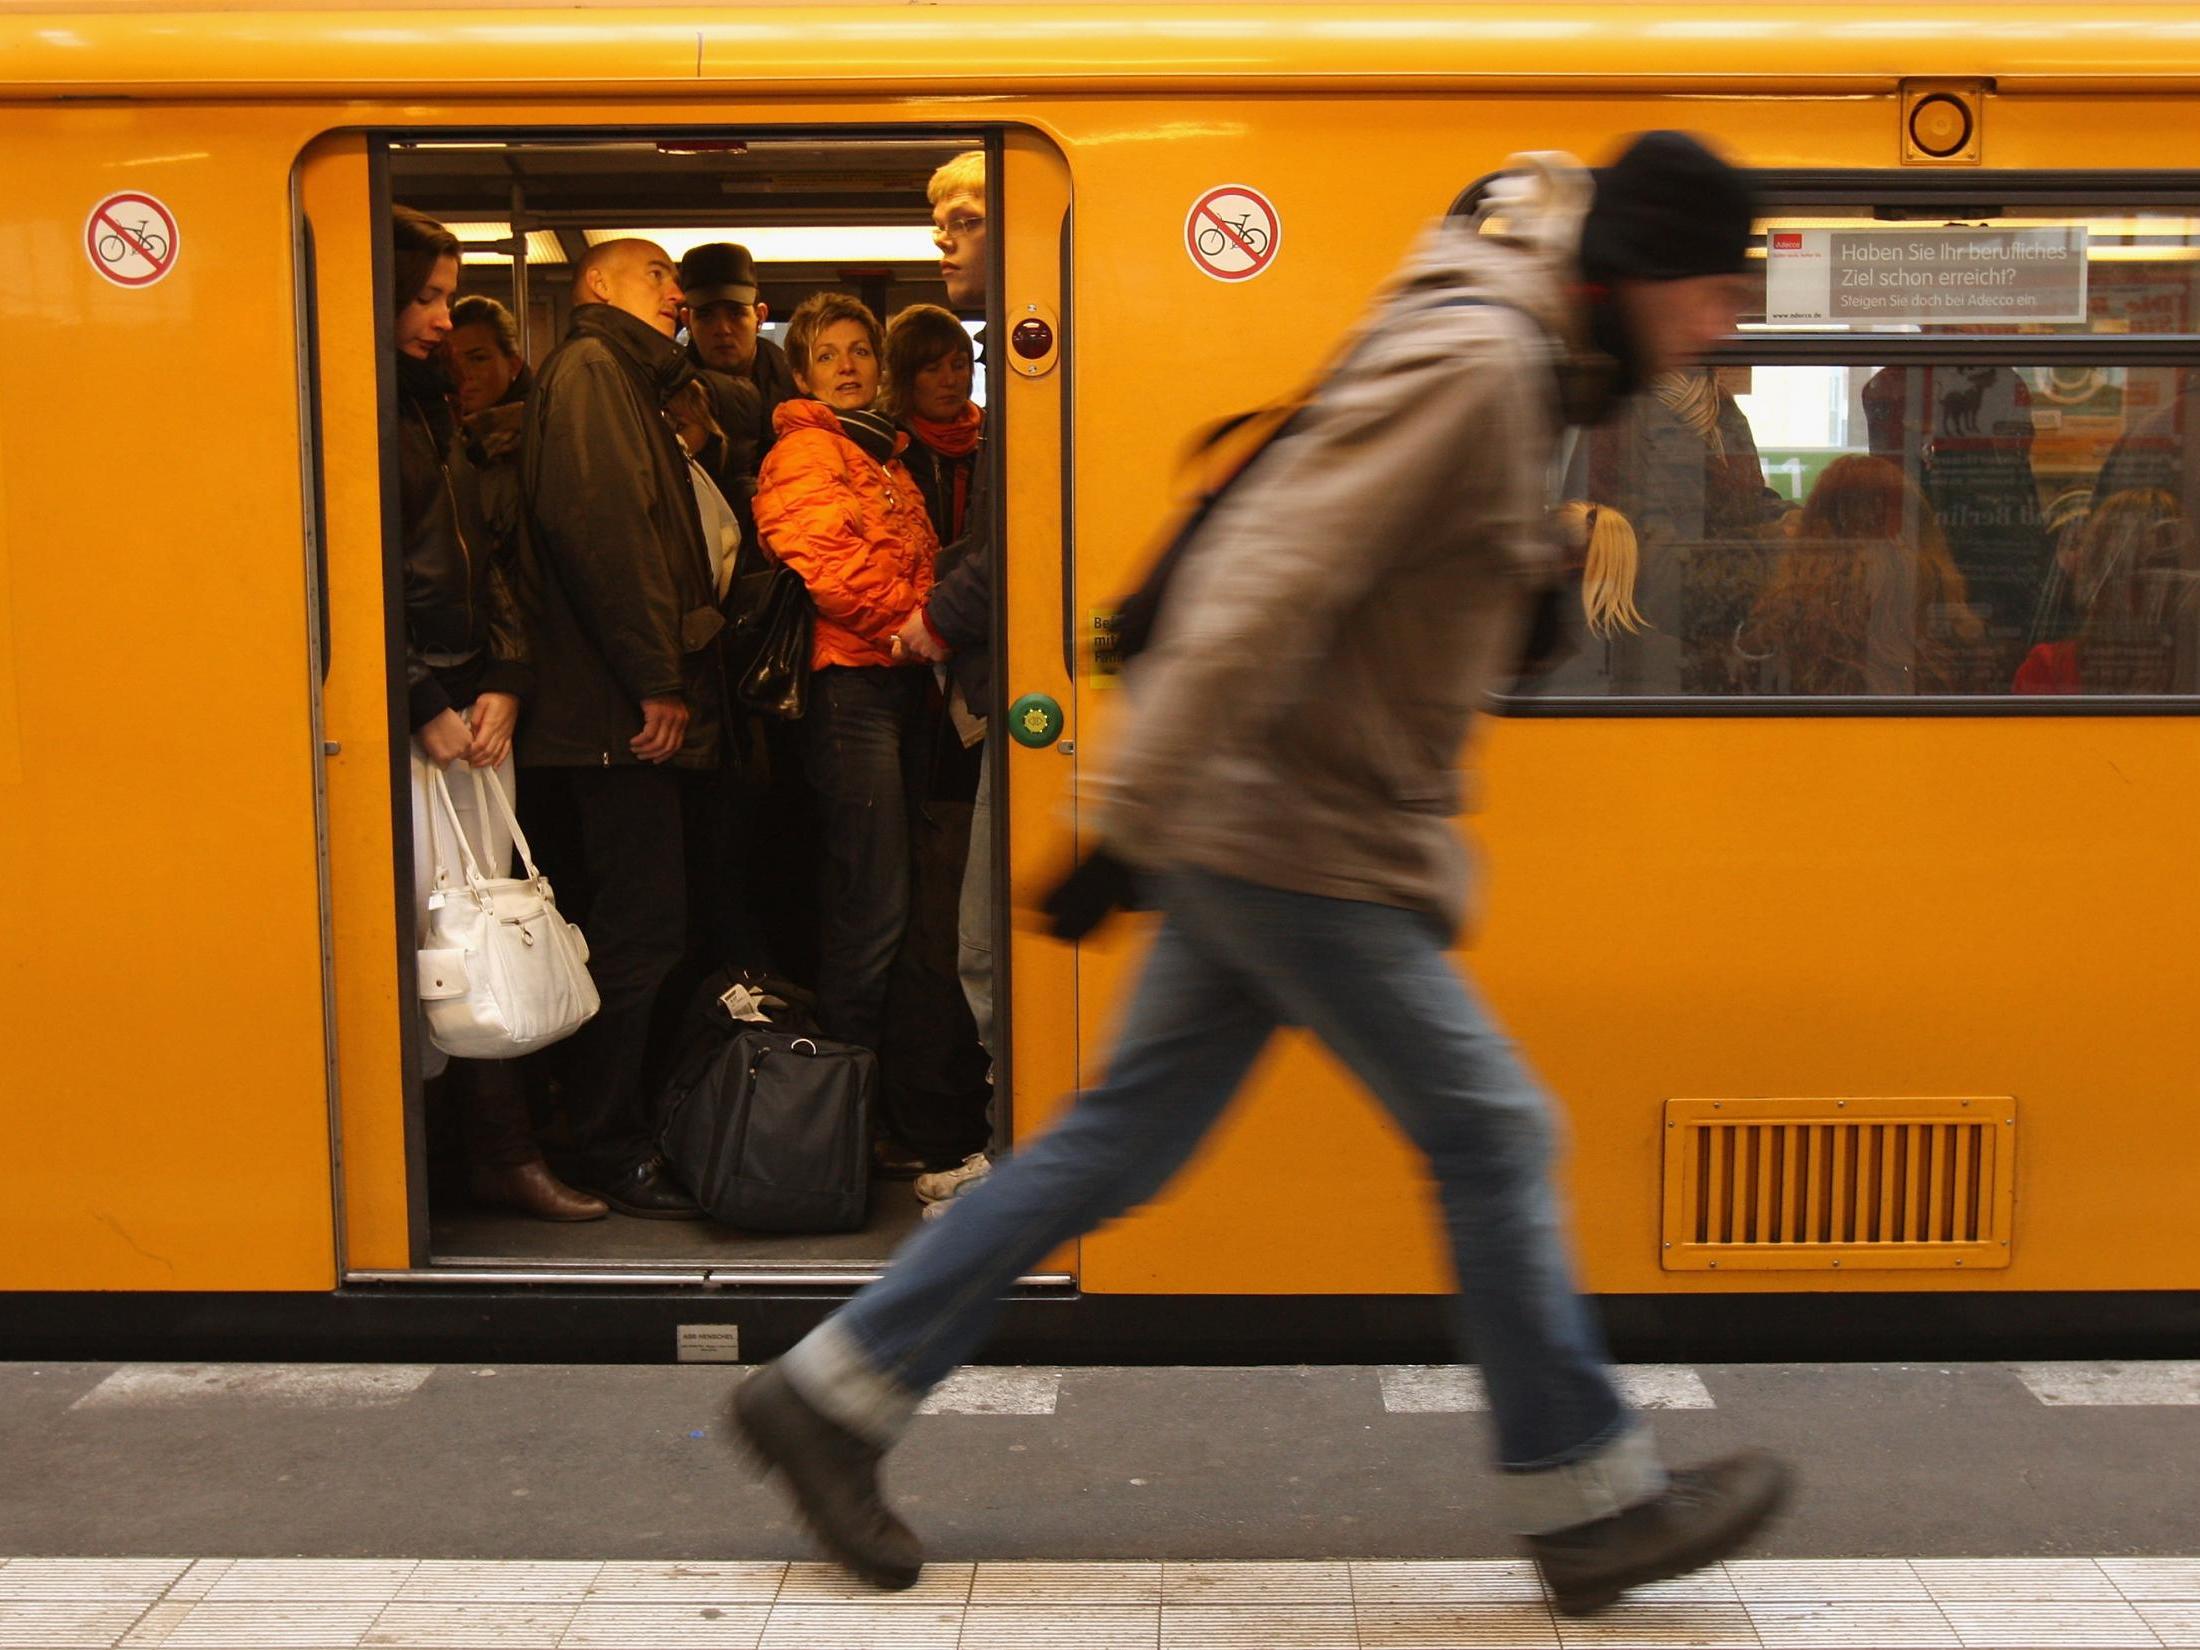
(819, 311)
(964, 175)
(1608, 573)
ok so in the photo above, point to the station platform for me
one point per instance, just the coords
(539, 1507)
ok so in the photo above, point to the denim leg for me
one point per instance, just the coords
(1373, 983)
(853, 737)
(1193, 1030)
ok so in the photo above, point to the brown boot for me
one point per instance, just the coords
(533, 1190)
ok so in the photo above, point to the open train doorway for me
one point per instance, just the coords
(766, 224)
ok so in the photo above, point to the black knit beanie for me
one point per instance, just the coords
(1666, 210)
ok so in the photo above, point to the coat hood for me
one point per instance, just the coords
(1520, 246)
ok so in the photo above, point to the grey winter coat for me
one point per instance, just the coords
(1299, 718)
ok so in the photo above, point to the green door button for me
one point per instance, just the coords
(1035, 720)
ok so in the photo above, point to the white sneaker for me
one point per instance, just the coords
(949, 1184)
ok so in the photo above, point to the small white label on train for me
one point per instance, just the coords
(709, 1343)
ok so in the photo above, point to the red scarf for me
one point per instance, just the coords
(957, 438)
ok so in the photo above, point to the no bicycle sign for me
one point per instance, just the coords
(131, 239)
(1232, 232)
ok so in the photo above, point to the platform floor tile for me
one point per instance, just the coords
(1478, 1624)
(1061, 1625)
(64, 1624)
(1269, 1585)
(1047, 1582)
(686, 1626)
(1277, 1625)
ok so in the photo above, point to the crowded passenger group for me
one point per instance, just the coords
(587, 548)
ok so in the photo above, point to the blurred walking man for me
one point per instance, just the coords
(1284, 790)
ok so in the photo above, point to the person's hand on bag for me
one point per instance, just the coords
(445, 739)
(493, 716)
(664, 730)
(1099, 886)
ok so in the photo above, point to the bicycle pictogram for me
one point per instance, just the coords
(1232, 232)
(141, 238)
(1217, 238)
(131, 239)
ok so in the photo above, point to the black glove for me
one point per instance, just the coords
(1083, 900)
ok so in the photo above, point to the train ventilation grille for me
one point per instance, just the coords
(1770, 1185)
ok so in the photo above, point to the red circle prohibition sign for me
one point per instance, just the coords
(1232, 232)
(131, 239)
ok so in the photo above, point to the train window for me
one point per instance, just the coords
(1952, 459)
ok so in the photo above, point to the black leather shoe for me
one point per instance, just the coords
(833, 1476)
(648, 1191)
(1705, 1513)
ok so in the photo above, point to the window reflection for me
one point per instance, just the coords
(1890, 531)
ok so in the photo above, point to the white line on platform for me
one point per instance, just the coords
(1450, 1389)
(1003, 1391)
(2113, 1384)
(328, 1386)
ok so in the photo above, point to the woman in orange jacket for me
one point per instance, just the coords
(834, 502)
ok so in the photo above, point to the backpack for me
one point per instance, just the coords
(770, 1128)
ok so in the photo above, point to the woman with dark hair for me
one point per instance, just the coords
(466, 671)
(929, 365)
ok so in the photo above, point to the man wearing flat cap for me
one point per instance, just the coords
(747, 373)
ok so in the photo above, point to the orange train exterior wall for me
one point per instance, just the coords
(1678, 907)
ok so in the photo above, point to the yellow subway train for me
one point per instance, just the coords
(1838, 893)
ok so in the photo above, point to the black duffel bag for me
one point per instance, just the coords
(771, 1130)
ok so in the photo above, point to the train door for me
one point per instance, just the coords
(818, 209)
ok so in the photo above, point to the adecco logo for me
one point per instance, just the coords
(1788, 240)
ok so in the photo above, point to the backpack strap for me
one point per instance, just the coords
(1138, 613)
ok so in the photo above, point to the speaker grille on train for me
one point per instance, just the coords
(1855, 1184)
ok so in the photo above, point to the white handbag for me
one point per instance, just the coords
(501, 973)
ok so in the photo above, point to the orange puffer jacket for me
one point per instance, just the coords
(855, 529)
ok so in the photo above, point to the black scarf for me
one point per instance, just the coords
(1610, 333)
(428, 388)
(874, 432)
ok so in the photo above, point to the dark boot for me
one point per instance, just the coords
(833, 1476)
(1705, 1513)
(532, 1189)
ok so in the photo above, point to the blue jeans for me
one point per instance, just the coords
(857, 754)
(1232, 963)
